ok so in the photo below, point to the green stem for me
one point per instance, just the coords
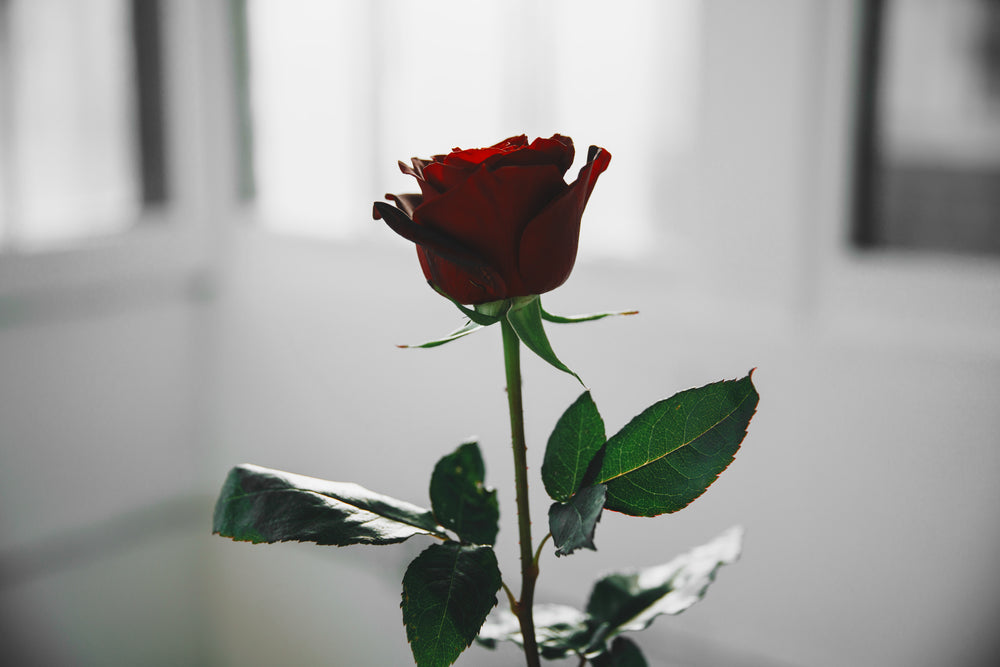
(529, 569)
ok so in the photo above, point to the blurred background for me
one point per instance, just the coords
(190, 278)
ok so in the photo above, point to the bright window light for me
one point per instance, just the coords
(340, 91)
(68, 150)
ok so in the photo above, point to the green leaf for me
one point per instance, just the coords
(559, 630)
(629, 602)
(576, 439)
(573, 319)
(461, 332)
(448, 590)
(525, 316)
(623, 653)
(620, 603)
(460, 500)
(669, 454)
(572, 524)
(264, 505)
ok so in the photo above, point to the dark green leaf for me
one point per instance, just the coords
(460, 500)
(448, 590)
(525, 316)
(572, 524)
(669, 454)
(577, 437)
(629, 602)
(623, 653)
(470, 327)
(573, 319)
(559, 631)
(263, 505)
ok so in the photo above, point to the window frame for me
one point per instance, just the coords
(173, 239)
(943, 301)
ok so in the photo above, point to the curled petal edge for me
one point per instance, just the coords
(440, 244)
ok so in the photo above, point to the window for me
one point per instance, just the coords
(338, 92)
(928, 169)
(81, 132)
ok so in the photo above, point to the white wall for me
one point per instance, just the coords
(99, 398)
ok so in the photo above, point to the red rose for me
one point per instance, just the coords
(499, 222)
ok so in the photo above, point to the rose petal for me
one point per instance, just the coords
(557, 150)
(416, 171)
(488, 211)
(473, 266)
(446, 176)
(512, 142)
(472, 157)
(547, 249)
(467, 287)
(428, 190)
(406, 203)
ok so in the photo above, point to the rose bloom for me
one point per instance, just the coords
(499, 222)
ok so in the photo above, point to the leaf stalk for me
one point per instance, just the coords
(538, 551)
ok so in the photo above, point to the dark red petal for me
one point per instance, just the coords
(557, 150)
(599, 158)
(416, 171)
(461, 285)
(470, 157)
(556, 145)
(441, 245)
(548, 246)
(428, 190)
(446, 176)
(474, 156)
(489, 210)
(511, 142)
(406, 203)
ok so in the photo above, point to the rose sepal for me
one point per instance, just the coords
(484, 314)
(590, 317)
(480, 316)
(463, 331)
(524, 314)
(525, 317)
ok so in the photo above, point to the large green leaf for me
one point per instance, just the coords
(629, 602)
(559, 630)
(263, 505)
(623, 653)
(575, 440)
(525, 317)
(448, 591)
(460, 499)
(572, 524)
(669, 454)
(620, 603)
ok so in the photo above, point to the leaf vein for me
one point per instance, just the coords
(650, 459)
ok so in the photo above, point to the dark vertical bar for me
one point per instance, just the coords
(864, 227)
(147, 40)
(244, 110)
